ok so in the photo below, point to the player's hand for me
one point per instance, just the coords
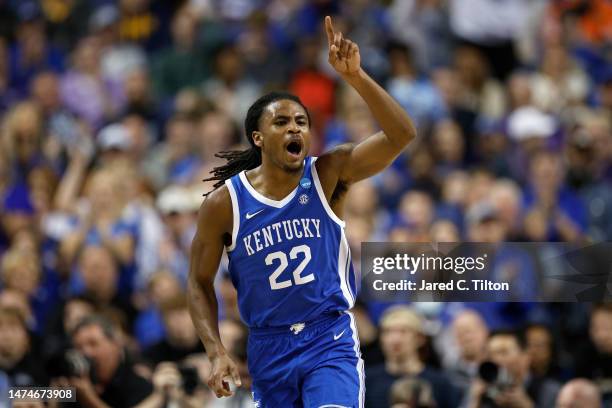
(343, 54)
(223, 369)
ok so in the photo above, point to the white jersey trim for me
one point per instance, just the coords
(263, 199)
(236, 212)
(343, 264)
(360, 369)
(321, 194)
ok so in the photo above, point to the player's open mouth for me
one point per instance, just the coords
(294, 148)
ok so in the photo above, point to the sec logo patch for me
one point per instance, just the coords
(303, 199)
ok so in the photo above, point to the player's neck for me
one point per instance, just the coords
(273, 181)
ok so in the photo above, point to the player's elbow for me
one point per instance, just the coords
(401, 137)
(407, 133)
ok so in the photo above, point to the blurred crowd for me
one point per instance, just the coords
(111, 113)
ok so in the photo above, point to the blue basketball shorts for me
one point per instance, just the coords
(311, 365)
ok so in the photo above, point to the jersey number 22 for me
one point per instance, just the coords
(282, 258)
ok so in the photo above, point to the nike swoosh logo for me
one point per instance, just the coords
(337, 336)
(249, 216)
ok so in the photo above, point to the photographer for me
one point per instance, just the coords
(505, 381)
(176, 386)
(105, 377)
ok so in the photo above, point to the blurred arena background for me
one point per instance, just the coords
(110, 116)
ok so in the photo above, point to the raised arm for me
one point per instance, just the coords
(374, 154)
(214, 224)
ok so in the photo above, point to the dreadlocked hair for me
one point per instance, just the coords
(239, 160)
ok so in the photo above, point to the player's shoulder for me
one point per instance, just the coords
(216, 209)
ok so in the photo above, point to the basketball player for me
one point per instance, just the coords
(278, 213)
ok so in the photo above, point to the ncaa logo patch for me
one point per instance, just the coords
(303, 199)
(305, 183)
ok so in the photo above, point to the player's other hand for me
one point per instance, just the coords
(223, 369)
(343, 53)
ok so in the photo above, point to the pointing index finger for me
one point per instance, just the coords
(329, 29)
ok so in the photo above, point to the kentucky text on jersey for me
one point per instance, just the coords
(284, 230)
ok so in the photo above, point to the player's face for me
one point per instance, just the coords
(284, 134)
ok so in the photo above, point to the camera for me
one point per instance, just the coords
(70, 363)
(190, 378)
(497, 378)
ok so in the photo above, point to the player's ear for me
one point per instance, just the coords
(257, 139)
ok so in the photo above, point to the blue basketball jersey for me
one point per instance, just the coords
(289, 260)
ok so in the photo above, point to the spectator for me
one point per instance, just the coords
(18, 355)
(541, 351)
(15, 299)
(62, 322)
(417, 212)
(414, 92)
(139, 22)
(139, 97)
(112, 381)
(444, 231)
(22, 140)
(162, 286)
(411, 392)
(172, 388)
(560, 82)
(99, 272)
(101, 223)
(594, 361)
(8, 94)
(173, 160)
(507, 350)
(217, 133)
(32, 52)
(549, 202)
(449, 147)
(114, 144)
(178, 208)
(21, 271)
(586, 151)
(401, 336)
(229, 87)
(493, 29)
(185, 63)
(181, 338)
(506, 199)
(84, 89)
(579, 393)
(424, 26)
(478, 92)
(470, 334)
(260, 44)
(117, 58)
